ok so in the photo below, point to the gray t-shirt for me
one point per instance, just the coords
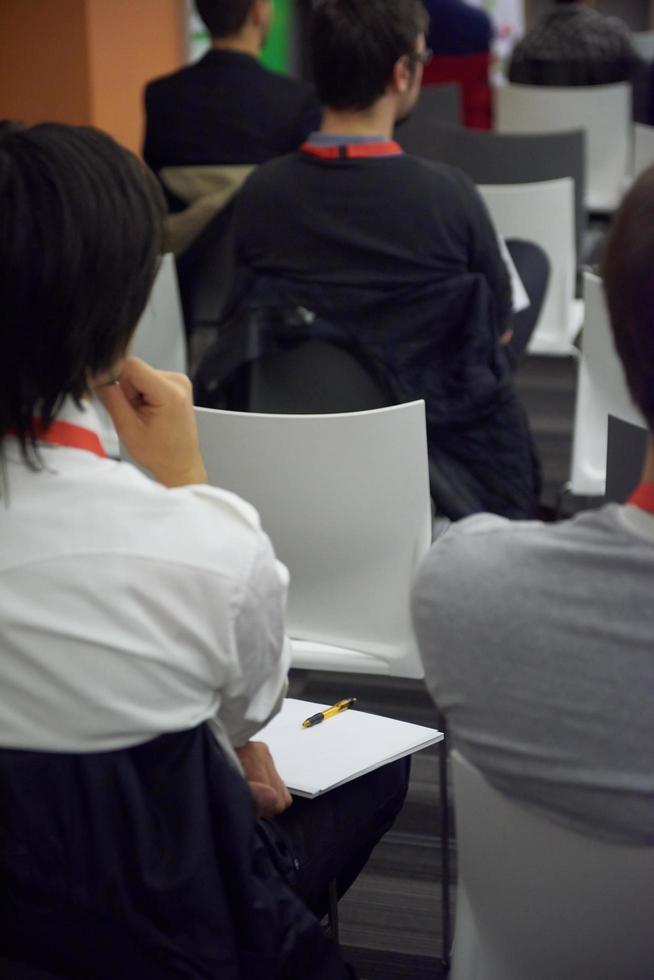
(538, 644)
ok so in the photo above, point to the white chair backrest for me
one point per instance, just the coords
(643, 148)
(601, 391)
(537, 901)
(643, 41)
(544, 213)
(345, 500)
(602, 111)
(160, 338)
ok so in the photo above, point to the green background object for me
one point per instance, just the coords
(276, 50)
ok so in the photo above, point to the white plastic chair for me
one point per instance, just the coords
(543, 213)
(601, 390)
(159, 337)
(345, 500)
(643, 42)
(536, 901)
(602, 111)
(643, 148)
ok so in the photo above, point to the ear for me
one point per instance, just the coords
(402, 76)
(261, 12)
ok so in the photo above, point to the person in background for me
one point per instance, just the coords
(537, 639)
(460, 38)
(573, 44)
(227, 108)
(209, 124)
(142, 637)
(395, 259)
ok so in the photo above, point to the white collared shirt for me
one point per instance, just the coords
(128, 609)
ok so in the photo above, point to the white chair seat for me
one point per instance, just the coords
(309, 655)
(543, 213)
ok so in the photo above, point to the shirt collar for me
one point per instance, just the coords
(337, 146)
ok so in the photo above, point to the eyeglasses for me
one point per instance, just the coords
(424, 57)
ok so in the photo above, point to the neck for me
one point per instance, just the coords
(247, 42)
(648, 465)
(378, 120)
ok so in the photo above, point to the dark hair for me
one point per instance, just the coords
(80, 221)
(355, 44)
(223, 18)
(628, 273)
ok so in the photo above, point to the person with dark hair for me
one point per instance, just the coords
(460, 38)
(394, 257)
(537, 639)
(227, 108)
(573, 44)
(141, 626)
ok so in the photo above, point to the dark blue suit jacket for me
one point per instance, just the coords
(225, 109)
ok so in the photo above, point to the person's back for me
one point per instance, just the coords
(537, 639)
(395, 256)
(460, 37)
(141, 626)
(227, 108)
(574, 45)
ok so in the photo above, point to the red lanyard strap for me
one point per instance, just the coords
(61, 433)
(643, 497)
(353, 151)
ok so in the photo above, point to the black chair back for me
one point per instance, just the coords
(505, 158)
(314, 378)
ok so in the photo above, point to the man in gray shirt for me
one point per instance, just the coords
(538, 639)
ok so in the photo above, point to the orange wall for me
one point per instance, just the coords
(131, 41)
(86, 61)
(44, 69)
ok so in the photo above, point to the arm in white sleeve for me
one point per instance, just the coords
(257, 691)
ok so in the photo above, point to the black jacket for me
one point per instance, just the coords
(228, 109)
(148, 863)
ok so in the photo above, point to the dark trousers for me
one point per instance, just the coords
(533, 268)
(332, 837)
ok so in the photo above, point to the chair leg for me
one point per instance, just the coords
(332, 912)
(445, 851)
(565, 491)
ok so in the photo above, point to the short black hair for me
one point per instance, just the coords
(223, 18)
(80, 229)
(628, 274)
(355, 44)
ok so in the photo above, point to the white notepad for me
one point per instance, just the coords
(314, 760)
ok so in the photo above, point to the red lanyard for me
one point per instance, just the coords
(353, 151)
(66, 434)
(643, 497)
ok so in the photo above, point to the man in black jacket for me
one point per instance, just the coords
(396, 258)
(227, 108)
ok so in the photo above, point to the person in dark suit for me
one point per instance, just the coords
(227, 108)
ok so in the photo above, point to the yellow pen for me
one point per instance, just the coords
(329, 712)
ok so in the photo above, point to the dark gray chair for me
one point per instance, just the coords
(314, 378)
(505, 158)
(437, 103)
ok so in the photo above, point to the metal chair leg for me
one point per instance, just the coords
(445, 850)
(332, 912)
